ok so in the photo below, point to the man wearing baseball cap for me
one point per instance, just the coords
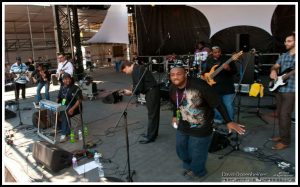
(69, 95)
(18, 71)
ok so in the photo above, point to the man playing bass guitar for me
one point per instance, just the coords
(223, 81)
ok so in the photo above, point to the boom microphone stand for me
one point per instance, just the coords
(124, 113)
(236, 147)
(21, 124)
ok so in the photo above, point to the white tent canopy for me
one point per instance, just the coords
(114, 28)
(224, 16)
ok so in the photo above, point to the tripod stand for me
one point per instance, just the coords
(257, 113)
(124, 113)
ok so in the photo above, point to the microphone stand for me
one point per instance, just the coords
(124, 113)
(238, 93)
(21, 124)
(158, 52)
(81, 120)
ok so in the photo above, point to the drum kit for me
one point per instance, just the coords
(190, 62)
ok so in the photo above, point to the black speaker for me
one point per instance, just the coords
(218, 142)
(9, 114)
(51, 156)
(243, 41)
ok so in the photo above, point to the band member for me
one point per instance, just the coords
(64, 66)
(286, 94)
(69, 95)
(224, 81)
(150, 88)
(201, 53)
(193, 111)
(42, 78)
(18, 71)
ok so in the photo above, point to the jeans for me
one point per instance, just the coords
(65, 126)
(229, 105)
(193, 152)
(40, 85)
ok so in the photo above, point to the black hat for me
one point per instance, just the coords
(66, 75)
(18, 58)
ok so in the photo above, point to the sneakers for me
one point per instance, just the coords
(279, 146)
(63, 138)
(36, 105)
(189, 175)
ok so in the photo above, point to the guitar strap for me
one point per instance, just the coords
(60, 75)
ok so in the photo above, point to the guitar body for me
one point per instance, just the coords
(281, 80)
(207, 76)
(276, 83)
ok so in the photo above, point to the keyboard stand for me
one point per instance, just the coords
(53, 141)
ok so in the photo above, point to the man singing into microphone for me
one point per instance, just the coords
(69, 95)
(149, 87)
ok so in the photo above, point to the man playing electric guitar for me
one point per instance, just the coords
(285, 98)
(221, 80)
(64, 66)
(19, 72)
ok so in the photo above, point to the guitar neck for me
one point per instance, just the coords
(217, 71)
(286, 76)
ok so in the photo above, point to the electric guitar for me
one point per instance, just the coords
(281, 79)
(209, 77)
(17, 76)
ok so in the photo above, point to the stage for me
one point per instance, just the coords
(153, 162)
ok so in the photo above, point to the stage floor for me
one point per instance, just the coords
(153, 162)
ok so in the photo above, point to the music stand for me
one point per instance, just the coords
(124, 113)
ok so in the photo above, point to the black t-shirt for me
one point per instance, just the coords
(147, 82)
(196, 104)
(69, 93)
(225, 79)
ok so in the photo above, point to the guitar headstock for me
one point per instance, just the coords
(236, 56)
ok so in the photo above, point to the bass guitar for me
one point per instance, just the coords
(281, 79)
(209, 77)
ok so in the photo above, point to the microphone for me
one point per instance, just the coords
(169, 36)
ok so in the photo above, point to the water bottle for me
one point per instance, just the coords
(175, 125)
(74, 162)
(249, 149)
(72, 137)
(79, 135)
(100, 167)
(85, 131)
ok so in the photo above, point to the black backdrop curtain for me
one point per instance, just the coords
(172, 28)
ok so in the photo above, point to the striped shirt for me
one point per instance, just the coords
(18, 70)
(287, 61)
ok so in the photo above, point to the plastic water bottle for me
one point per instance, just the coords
(85, 131)
(175, 125)
(74, 162)
(72, 137)
(100, 167)
(79, 135)
(249, 149)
